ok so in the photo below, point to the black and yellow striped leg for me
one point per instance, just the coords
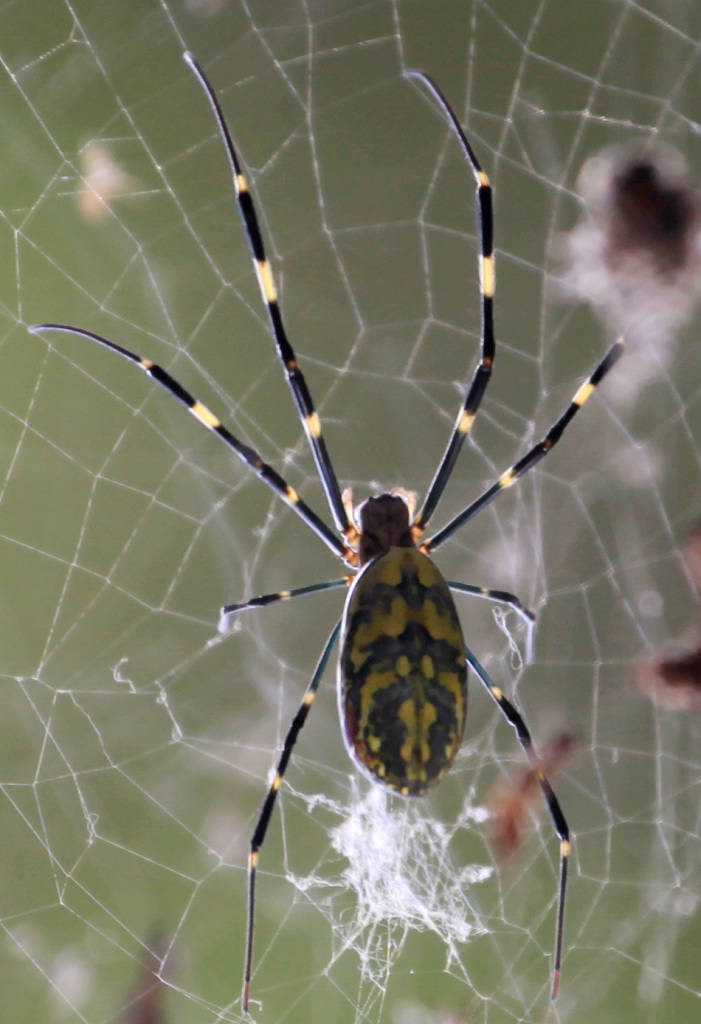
(480, 379)
(266, 281)
(558, 819)
(269, 803)
(281, 595)
(502, 597)
(538, 452)
(248, 455)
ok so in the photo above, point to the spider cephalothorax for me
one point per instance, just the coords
(383, 523)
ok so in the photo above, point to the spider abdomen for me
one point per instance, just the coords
(402, 675)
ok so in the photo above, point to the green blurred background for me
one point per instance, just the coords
(136, 744)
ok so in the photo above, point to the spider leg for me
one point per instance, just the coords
(295, 377)
(475, 391)
(502, 597)
(537, 452)
(281, 595)
(560, 825)
(269, 802)
(207, 418)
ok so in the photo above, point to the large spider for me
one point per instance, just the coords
(402, 669)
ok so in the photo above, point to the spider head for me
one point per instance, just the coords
(384, 523)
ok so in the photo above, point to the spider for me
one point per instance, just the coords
(402, 669)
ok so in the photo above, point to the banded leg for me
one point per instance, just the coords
(538, 452)
(201, 413)
(281, 595)
(269, 803)
(502, 597)
(475, 392)
(553, 804)
(295, 378)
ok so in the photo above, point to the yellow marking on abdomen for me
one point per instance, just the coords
(403, 665)
(241, 184)
(483, 179)
(391, 570)
(583, 393)
(372, 682)
(267, 285)
(565, 848)
(426, 570)
(451, 682)
(441, 627)
(146, 363)
(427, 668)
(291, 495)
(391, 623)
(204, 415)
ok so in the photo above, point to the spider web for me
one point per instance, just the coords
(136, 742)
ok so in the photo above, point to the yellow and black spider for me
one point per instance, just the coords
(402, 670)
